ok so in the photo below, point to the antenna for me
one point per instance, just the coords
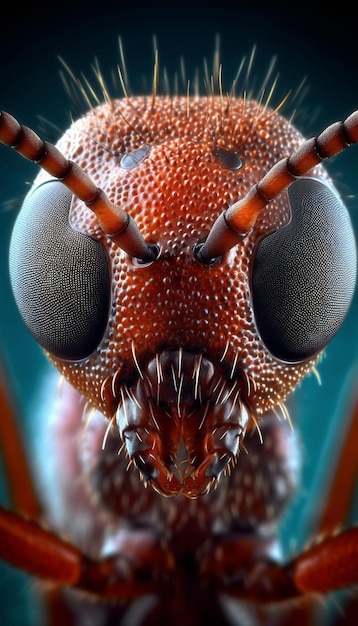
(116, 223)
(238, 220)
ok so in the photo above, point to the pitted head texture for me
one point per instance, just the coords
(175, 165)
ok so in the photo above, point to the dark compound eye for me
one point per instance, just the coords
(60, 277)
(304, 274)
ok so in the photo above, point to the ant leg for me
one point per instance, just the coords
(336, 482)
(22, 491)
(28, 546)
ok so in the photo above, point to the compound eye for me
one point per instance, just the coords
(60, 277)
(304, 274)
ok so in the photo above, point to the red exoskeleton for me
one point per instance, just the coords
(183, 261)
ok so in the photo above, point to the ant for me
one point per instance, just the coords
(183, 261)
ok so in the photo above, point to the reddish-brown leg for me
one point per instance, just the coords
(337, 479)
(31, 548)
(22, 492)
(329, 565)
(333, 562)
(25, 544)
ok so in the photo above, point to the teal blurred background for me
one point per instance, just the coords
(321, 46)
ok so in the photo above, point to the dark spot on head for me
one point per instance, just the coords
(133, 158)
(228, 158)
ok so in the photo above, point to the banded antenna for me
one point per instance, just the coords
(116, 223)
(239, 219)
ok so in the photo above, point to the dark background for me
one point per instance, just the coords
(309, 41)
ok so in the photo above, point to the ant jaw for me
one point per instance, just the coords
(196, 481)
(179, 433)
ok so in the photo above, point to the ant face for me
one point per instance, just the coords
(257, 317)
(183, 261)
